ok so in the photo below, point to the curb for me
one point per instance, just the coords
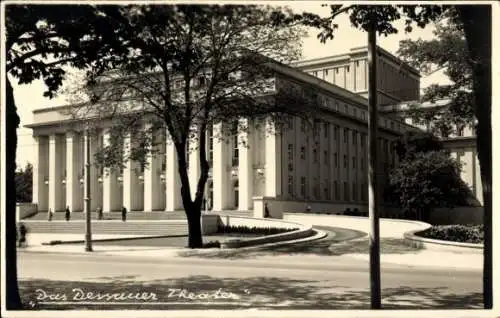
(60, 242)
(441, 245)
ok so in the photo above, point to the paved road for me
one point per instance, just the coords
(300, 281)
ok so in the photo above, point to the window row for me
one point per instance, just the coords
(352, 193)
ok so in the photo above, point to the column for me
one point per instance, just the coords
(74, 198)
(132, 189)
(40, 172)
(220, 173)
(110, 187)
(194, 169)
(152, 183)
(173, 184)
(479, 184)
(245, 171)
(55, 174)
(95, 173)
(272, 171)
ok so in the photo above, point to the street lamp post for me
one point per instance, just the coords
(87, 194)
(373, 195)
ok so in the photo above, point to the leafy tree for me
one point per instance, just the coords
(184, 69)
(448, 51)
(426, 177)
(24, 184)
(476, 23)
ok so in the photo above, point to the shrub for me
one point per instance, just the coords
(212, 244)
(252, 230)
(456, 233)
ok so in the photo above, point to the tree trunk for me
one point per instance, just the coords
(13, 300)
(477, 28)
(192, 210)
(195, 239)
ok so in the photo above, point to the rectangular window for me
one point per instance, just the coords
(290, 152)
(325, 157)
(315, 73)
(362, 164)
(354, 137)
(290, 123)
(346, 109)
(326, 72)
(346, 134)
(335, 160)
(354, 192)
(290, 185)
(353, 162)
(357, 63)
(355, 112)
(290, 167)
(303, 186)
(347, 68)
(336, 190)
(363, 140)
(336, 70)
(315, 155)
(345, 161)
(303, 152)
(302, 125)
(335, 132)
(326, 129)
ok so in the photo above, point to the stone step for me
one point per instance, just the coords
(134, 215)
(109, 227)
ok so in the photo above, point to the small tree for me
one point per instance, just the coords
(24, 184)
(426, 177)
(184, 69)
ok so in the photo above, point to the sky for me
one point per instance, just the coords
(30, 97)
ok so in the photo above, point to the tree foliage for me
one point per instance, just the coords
(448, 51)
(24, 184)
(426, 177)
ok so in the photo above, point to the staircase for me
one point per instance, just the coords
(131, 215)
(152, 228)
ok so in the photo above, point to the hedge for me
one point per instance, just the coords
(455, 233)
(252, 230)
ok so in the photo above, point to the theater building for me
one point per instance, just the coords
(323, 166)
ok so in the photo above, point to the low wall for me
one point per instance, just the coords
(228, 220)
(23, 210)
(209, 223)
(276, 207)
(441, 246)
(393, 228)
(459, 215)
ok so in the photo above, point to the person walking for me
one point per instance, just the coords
(99, 213)
(124, 214)
(23, 231)
(50, 214)
(266, 211)
(67, 214)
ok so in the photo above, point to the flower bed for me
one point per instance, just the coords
(456, 233)
(241, 229)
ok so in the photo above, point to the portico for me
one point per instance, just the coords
(59, 167)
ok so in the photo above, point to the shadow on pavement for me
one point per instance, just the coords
(253, 292)
(344, 241)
